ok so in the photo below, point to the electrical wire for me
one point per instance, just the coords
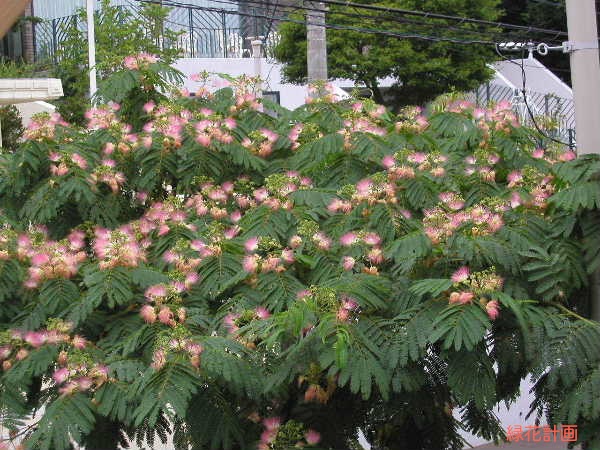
(524, 93)
(395, 18)
(328, 25)
(430, 15)
(427, 15)
(380, 18)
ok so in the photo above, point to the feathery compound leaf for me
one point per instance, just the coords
(590, 225)
(219, 273)
(412, 245)
(68, 417)
(114, 285)
(163, 391)
(583, 399)
(10, 278)
(275, 291)
(54, 297)
(460, 326)
(38, 363)
(364, 367)
(213, 422)
(471, 377)
(226, 359)
(313, 198)
(370, 291)
(580, 196)
(433, 287)
(112, 401)
(310, 154)
(263, 221)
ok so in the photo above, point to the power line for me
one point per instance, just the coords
(328, 25)
(412, 35)
(393, 18)
(524, 93)
(400, 18)
(431, 15)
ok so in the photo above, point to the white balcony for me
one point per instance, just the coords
(23, 90)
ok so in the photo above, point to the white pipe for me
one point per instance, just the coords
(91, 48)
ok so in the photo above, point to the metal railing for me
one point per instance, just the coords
(203, 32)
(553, 114)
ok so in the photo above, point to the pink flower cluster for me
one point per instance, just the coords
(412, 120)
(321, 241)
(347, 307)
(213, 128)
(214, 200)
(233, 321)
(337, 205)
(43, 126)
(139, 61)
(77, 376)
(22, 342)
(102, 117)
(373, 192)
(294, 135)
(62, 163)
(478, 284)
(371, 239)
(245, 101)
(362, 120)
(170, 124)
(482, 165)
(278, 187)
(162, 216)
(17, 344)
(107, 173)
(321, 93)
(440, 224)
(406, 165)
(452, 200)
(260, 142)
(540, 186)
(273, 425)
(117, 248)
(500, 117)
(177, 345)
(50, 259)
(163, 304)
(271, 261)
(244, 89)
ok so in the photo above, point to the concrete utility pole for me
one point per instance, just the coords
(316, 42)
(585, 74)
(256, 43)
(91, 47)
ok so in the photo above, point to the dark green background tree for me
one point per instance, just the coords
(423, 69)
(12, 128)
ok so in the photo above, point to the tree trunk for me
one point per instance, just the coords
(377, 95)
(27, 36)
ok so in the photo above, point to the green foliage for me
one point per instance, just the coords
(422, 69)
(66, 418)
(12, 128)
(197, 268)
(134, 33)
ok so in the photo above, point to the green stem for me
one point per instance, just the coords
(572, 313)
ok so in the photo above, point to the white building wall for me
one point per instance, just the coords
(291, 95)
